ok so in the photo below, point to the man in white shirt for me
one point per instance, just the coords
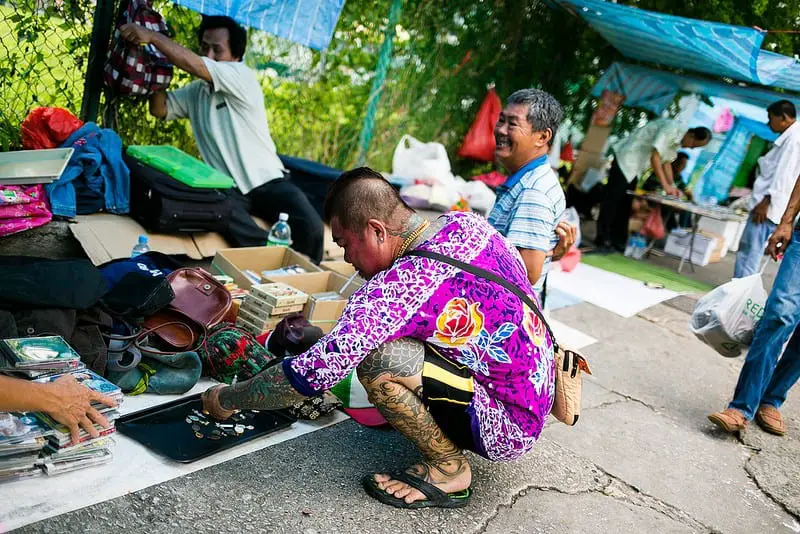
(778, 171)
(225, 107)
(654, 145)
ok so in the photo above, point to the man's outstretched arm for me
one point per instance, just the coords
(181, 57)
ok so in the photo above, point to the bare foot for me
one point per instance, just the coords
(449, 476)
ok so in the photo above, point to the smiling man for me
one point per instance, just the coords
(531, 202)
(225, 107)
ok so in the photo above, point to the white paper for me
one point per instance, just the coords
(613, 292)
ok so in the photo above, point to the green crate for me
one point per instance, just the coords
(181, 166)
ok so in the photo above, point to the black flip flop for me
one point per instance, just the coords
(436, 498)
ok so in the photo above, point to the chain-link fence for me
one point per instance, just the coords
(44, 46)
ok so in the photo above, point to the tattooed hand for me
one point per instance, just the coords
(269, 390)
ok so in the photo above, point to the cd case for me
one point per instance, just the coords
(180, 431)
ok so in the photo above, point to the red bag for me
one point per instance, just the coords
(48, 128)
(132, 69)
(654, 226)
(479, 142)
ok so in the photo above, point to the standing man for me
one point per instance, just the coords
(225, 107)
(654, 146)
(531, 202)
(777, 171)
(764, 380)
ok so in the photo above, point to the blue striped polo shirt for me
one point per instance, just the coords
(529, 206)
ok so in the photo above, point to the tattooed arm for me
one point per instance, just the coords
(268, 390)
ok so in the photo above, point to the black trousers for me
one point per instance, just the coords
(615, 210)
(268, 201)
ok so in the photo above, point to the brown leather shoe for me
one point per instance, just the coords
(770, 419)
(730, 420)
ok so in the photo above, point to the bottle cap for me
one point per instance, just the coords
(283, 217)
(142, 239)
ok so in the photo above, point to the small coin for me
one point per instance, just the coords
(194, 418)
(196, 427)
(215, 437)
(250, 427)
(216, 432)
(239, 429)
(188, 420)
(198, 435)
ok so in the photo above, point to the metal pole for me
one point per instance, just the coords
(384, 58)
(102, 27)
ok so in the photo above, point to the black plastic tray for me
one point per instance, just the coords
(164, 429)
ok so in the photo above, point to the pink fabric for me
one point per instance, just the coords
(22, 207)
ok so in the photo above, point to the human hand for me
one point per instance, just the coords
(133, 33)
(70, 403)
(779, 240)
(759, 214)
(211, 403)
(567, 234)
(672, 191)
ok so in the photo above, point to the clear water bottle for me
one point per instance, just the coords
(280, 234)
(141, 247)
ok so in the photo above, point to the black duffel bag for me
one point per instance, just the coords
(162, 204)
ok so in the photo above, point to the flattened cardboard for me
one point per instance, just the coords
(105, 237)
(233, 261)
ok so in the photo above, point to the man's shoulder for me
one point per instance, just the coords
(541, 179)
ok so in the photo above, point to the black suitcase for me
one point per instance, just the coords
(162, 204)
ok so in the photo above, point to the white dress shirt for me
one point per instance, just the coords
(778, 170)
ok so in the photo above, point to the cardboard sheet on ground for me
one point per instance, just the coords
(615, 293)
(133, 468)
(570, 337)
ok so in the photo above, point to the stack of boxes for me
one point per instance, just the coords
(267, 305)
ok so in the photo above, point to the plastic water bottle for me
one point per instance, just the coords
(280, 234)
(141, 247)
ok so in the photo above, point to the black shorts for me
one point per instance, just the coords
(447, 390)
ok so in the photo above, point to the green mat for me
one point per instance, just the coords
(641, 270)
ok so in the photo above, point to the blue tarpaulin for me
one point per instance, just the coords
(708, 47)
(306, 22)
(654, 90)
(715, 182)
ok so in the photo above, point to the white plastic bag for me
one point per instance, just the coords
(478, 195)
(422, 161)
(571, 216)
(726, 318)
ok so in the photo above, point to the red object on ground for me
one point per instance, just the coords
(571, 259)
(479, 142)
(492, 179)
(48, 127)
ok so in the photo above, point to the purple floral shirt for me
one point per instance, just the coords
(475, 322)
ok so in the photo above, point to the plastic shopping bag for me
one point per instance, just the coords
(571, 216)
(654, 225)
(48, 128)
(726, 318)
(479, 142)
(422, 161)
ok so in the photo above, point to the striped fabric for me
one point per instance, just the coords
(715, 182)
(690, 44)
(306, 22)
(655, 90)
(528, 213)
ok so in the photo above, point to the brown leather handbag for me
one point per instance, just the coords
(200, 303)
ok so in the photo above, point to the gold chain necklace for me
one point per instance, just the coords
(412, 237)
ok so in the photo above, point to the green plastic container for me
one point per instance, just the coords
(181, 166)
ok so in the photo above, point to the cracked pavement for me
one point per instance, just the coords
(643, 458)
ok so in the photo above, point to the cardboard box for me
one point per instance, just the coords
(340, 267)
(265, 311)
(326, 310)
(731, 231)
(233, 261)
(259, 324)
(707, 246)
(278, 295)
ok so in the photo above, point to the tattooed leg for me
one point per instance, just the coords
(392, 376)
(268, 390)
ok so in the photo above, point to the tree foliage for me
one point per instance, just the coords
(446, 54)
